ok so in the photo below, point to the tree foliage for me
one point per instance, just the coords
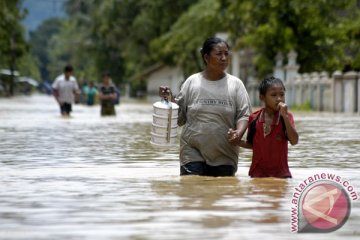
(128, 28)
(13, 46)
(315, 29)
(40, 44)
(129, 36)
(111, 35)
(320, 32)
(73, 43)
(182, 43)
(12, 41)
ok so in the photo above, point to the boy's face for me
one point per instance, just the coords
(68, 74)
(273, 96)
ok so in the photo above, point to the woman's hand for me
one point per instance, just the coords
(234, 137)
(165, 92)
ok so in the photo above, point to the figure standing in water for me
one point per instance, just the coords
(90, 93)
(107, 96)
(210, 102)
(65, 90)
(269, 131)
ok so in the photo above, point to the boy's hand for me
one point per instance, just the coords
(283, 109)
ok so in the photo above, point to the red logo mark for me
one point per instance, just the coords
(326, 207)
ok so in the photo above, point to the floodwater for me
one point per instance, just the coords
(88, 177)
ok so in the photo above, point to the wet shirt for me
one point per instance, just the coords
(91, 94)
(207, 109)
(270, 152)
(65, 88)
(107, 90)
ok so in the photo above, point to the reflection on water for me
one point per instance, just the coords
(89, 177)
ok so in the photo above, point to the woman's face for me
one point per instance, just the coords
(218, 59)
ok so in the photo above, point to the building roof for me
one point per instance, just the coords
(8, 72)
(148, 71)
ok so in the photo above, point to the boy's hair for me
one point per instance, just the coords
(68, 68)
(267, 82)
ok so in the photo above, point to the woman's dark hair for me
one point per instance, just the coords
(267, 82)
(68, 68)
(209, 44)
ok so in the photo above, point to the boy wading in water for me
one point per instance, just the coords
(66, 90)
(107, 96)
(269, 131)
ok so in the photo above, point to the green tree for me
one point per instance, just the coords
(27, 66)
(181, 44)
(129, 36)
(81, 43)
(128, 27)
(77, 44)
(112, 35)
(40, 43)
(71, 46)
(12, 42)
(315, 29)
(352, 51)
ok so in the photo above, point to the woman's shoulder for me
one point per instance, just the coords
(193, 76)
(233, 78)
(235, 81)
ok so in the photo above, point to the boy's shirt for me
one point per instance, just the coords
(270, 152)
(107, 90)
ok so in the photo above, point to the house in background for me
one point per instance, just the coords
(161, 75)
(7, 82)
(172, 76)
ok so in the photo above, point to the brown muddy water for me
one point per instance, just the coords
(88, 177)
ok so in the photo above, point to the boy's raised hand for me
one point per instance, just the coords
(283, 109)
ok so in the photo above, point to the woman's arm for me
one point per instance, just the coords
(234, 136)
(241, 127)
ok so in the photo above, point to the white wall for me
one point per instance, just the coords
(165, 76)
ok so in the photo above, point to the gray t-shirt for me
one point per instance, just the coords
(208, 109)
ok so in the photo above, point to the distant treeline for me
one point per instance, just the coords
(126, 37)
